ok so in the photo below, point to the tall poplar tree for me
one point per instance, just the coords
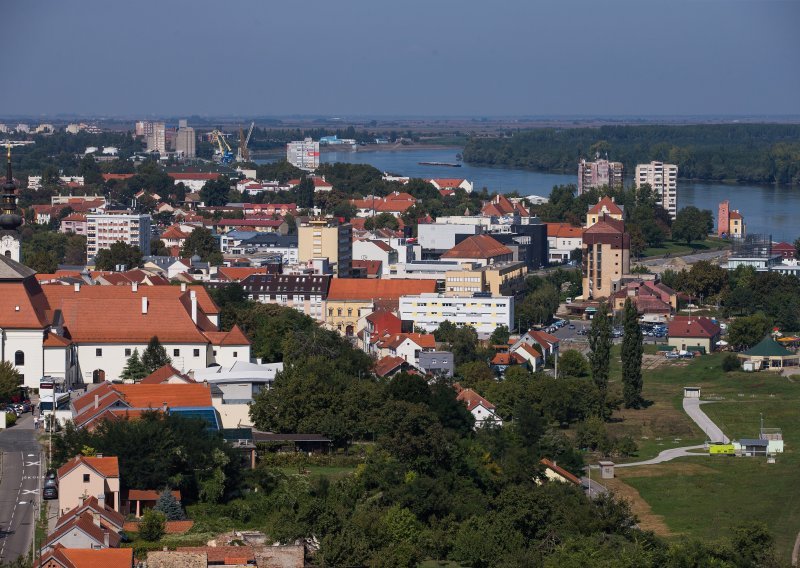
(600, 346)
(632, 358)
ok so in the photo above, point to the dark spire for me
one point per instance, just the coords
(10, 219)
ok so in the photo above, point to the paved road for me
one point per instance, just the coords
(19, 488)
(692, 407)
(668, 455)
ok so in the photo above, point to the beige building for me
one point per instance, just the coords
(499, 279)
(663, 178)
(605, 208)
(185, 142)
(83, 477)
(326, 238)
(606, 258)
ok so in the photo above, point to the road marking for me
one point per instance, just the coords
(31, 464)
(31, 455)
(30, 491)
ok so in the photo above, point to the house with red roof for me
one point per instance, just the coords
(82, 531)
(529, 354)
(407, 346)
(481, 409)
(174, 236)
(379, 325)
(693, 333)
(554, 472)
(605, 207)
(61, 557)
(395, 203)
(89, 476)
(370, 249)
(194, 181)
(166, 375)
(502, 206)
(102, 515)
(542, 344)
(451, 184)
(390, 365)
(74, 223)
(563, 240)
(481, 249)
(786, 250)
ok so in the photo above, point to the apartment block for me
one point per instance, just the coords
(303, 154)
(599, 173)
(606, 257)
(499, 279)
(327, 238)
(480, 311)
(103, 230)
(185, 142)
(663, 178)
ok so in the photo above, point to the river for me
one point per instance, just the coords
(766, 209)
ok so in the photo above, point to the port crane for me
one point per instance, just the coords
(223, 148)
(243, 154)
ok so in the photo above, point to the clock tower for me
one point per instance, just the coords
(10, 219)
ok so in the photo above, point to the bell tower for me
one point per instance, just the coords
(10, 220)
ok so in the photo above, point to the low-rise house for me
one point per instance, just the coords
(378, 326)
(166, 375)
(407, 346)
(690, 333)
(60, 557)
(82, 531)
(501, 206)
(108, 518)
(503, 359)
(542, 342)
(175, 236)
(562, 241)
(529, 354)
(482, 410)
(437, 363)
(451, 184)
(390, 365)
(83, 477)
(395, 203)
(137, 501)
(554, 472)
(257, 225)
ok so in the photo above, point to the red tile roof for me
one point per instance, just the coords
(361, 289)
(170, 527)
(445, 183)
(372, 267)
(250, 222)
(149, 494)
(564, 231)
(734, 215)
(424, 340)
(478, 247)
(473, 399)
(175, 396)
(162, 374)
(91, 504)
(105, 466)
(607, 203)
(233, 337)
(560, 471)
(606, 225)
(223, 554)
(108, 177)
(193, 176)
(174, 232)
(388, 364)
(88, 558)
(692, 326)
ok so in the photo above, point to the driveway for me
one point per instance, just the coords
(19, 488)
(692, 407)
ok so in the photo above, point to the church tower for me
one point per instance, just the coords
(10, 219)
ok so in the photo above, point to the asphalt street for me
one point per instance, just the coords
(19, 488)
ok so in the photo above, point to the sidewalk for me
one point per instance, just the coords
(692, 407)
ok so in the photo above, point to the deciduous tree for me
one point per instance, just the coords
(600, 355)
(632, 351)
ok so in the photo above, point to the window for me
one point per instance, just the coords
(98, 352)
(127, 353)
(19, 358)
(235, 353)
(330, 312)
(349, 312)
(86, 478)
(338, 311)
(176, 352)
(196, 353)
(215, 352)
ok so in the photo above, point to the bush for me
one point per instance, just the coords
(152, 526)
(11, 419)
(730, 363)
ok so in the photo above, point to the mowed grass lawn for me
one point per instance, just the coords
(675, 248)
(704, 497)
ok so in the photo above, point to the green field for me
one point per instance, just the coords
(675, 248)
(704, 497)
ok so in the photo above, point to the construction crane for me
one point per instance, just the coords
(224, 150)
(243, 154)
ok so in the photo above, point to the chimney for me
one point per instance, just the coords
(101, 500)
(164, 406)
(183, 286)
(77, 286)
(105, 538)
(96, 518)
(193, 297)
(135, 287)
(96, 401)
(144, 304)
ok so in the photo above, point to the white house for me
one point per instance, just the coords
(375, 250)
(485, 314)
(482, 410)
(407, 346)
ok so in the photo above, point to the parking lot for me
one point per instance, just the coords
(576, 330)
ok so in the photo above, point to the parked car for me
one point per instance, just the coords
(671, 355)
(50, 490)
(51, 476)
(572, 326)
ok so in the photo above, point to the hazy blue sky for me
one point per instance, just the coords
(404, 57)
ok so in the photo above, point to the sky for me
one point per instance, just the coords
(357, 58)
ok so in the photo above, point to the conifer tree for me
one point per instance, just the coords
(632, 350)
(600, 356)
(169, 505)
(134, 368)
(155, 356)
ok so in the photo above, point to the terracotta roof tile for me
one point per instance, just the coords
(162, 374)
(609, 205)
(473, 399)
(560, 471)
(692, 326)
(386, 365)
(105, 466)
(361, 289)
(478, 246)
(175, 396)
(220, 554)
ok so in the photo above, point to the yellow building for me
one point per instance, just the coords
(500, 279)
(736, 225)
(326, 238)
(604, 208)
(606, 257)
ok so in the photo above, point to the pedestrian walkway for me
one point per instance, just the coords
(714, 434)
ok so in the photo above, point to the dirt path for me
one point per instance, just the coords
(648, 520)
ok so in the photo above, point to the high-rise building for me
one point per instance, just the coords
(157, 138)
(663, 179)
(599, 173)
(606, 257)
(326, 238)
(185, 140)
(303, 154)
(105, 229)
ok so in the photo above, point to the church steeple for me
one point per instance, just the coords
(10, 219)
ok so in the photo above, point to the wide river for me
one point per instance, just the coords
(767, 209)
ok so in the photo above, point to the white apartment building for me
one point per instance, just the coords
(103, 230)
(482, 312)
(303, 154)
(663, 178)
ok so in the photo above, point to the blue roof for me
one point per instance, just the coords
(207, 413)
